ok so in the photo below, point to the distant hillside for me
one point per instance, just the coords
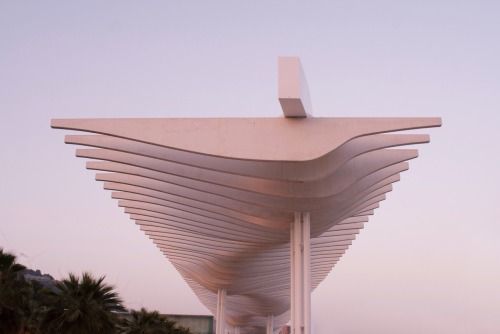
(36, 275)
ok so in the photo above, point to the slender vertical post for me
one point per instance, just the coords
(306, 255)
(270, 324)
(300, 263)
(220, 326)
(237, 330)
(293, 285)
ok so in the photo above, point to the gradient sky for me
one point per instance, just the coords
(427, 262)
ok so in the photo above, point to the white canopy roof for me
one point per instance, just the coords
(217, 196)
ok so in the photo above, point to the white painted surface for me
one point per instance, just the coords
(224, 221)
(293, 91)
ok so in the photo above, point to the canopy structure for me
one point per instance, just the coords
(252, 212)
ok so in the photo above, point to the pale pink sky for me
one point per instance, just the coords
(427, 262)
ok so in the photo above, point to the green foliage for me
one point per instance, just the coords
(150, 322)
(75, 306)
(35, 308)
(182, 330)
(13, 290)
(81, 306)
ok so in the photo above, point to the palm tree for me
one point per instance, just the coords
(82, 306)
(182, 330)
(12, 290)
(150, 322)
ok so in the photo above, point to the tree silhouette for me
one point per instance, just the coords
(81, 306)
(150, 322)
(13, 288)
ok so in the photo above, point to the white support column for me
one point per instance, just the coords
(220, 321)
(300, 263)
(270, 324)
(237, 330)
